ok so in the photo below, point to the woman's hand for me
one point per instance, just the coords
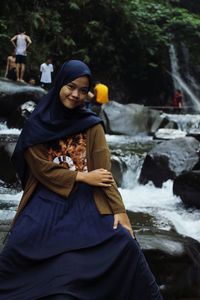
(98, 177)
(123, 219)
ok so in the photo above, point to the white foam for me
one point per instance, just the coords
(127, 139)
(164, 206)
(5, 130)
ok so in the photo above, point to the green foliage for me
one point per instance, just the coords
(125, 40)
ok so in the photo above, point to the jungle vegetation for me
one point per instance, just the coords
(125, 42)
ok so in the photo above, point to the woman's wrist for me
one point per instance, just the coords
(80, 177)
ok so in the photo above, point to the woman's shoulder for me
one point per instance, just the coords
(38, 149)
(96, 130)
(96, 127)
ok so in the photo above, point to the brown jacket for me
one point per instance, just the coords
(60, 180)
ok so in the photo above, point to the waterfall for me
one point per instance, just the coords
(179, 82)
(187, 65)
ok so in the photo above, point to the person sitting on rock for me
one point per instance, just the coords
(11, 67)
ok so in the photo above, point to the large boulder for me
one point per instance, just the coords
(187, 187)
(7, 173)
(13, 94)
(131, 119)
(118, 169)
(175, 261)
(18, 116)
(169, 159)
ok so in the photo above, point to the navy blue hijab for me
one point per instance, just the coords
(51, 120)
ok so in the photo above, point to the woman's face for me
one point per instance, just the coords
(74, 93)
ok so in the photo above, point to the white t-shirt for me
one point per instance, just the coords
(46, 71)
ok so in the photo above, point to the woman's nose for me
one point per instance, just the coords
(75, 93)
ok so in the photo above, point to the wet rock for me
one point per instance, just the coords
(7, 173)
(118, 169)
(187, 187)
(169, 159)
(175, 261)
(195, 133)
(129, 119)
(18, 117)
(14, 94)
(162, 122)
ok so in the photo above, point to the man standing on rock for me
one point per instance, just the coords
(46, 70)
(21, 42)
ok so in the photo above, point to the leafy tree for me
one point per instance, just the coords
(125, 42)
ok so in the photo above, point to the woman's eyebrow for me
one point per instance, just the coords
(72, 83)
(81, 87)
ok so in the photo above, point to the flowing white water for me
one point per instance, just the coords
(160, 203)
(9, 203)
(4, 130)
(166, 208)
(188, 123)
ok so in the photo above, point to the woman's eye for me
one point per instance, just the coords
(70, 86)
(84, 91)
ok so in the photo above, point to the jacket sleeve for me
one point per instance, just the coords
(52, 175)
(101, 159)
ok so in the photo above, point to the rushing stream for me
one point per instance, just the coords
(167, 210)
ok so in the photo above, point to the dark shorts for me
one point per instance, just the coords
(20, 59)
(45, 85)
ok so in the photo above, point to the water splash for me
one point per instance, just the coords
(165, 207)
(4, 130)
(187, 123)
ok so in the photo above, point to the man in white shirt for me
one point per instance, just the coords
(21, 42)
(46, 70)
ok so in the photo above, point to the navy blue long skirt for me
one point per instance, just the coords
(63, 247)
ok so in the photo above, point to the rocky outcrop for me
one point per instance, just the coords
(14, 94)
(7, 173)
(187, 187)
(132, 119)
(118, 169)
(169, 159)
(18, 116)
(175, 261)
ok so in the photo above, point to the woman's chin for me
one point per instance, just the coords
(70, 104)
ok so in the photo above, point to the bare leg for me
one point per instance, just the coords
(22, 72)
(17, 71)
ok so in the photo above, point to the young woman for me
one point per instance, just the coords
(71, 237)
